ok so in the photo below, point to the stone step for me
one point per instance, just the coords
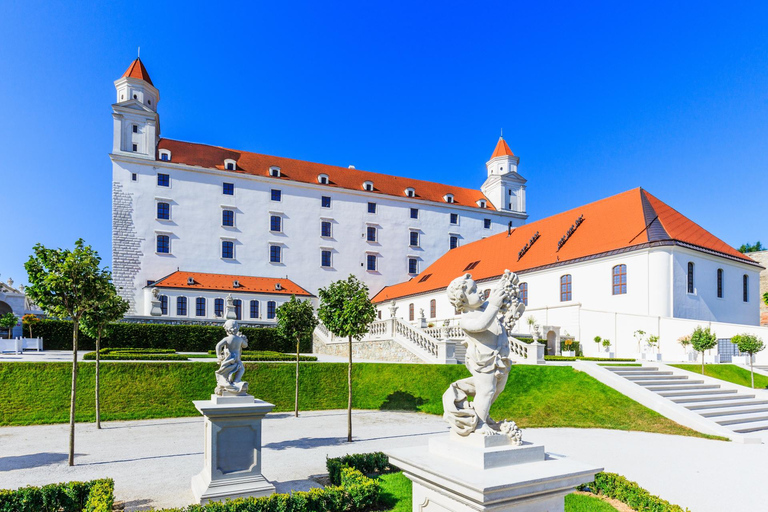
(753, 426)
(736, 419)
(721, 394)
(734, 410)
(723, 402)
(631, 368)
(695, 391)
(667, 382)
(680, 387)
(659, 376)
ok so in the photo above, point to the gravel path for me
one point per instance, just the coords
(152, 461)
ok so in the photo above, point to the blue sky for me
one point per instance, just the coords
(595, 98)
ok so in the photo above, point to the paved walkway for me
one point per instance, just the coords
(152, 461)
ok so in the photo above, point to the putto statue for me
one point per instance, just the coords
(486, 324)
(230, 372)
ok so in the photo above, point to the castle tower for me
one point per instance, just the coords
(504, 186)
(136, 122)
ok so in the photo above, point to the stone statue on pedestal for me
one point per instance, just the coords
(230, 372)
(156, 309)
(486, 324)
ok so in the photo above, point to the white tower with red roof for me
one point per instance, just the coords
(504, 186)
(136, 122)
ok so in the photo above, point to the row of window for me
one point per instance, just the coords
(218, 307)
(719, 279)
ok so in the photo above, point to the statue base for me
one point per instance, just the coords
(232, 455)
(488, 473)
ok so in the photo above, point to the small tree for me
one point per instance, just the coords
(8, 321)
(346, 310)
(607, 344)
(29, 320)
(531, 321)
(67, 284)
(639, 336)
(599, 342)
(749, 344)
(296, 321)
(702, 340)
(653, 342)
(111, 308)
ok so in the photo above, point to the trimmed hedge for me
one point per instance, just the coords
(93, 496)
(629, 492)
(578, 358)
(57, 335)
(356, 493)
(367, 463)
(134, 356)
(253, 355)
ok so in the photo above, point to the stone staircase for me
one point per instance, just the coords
(734, 410)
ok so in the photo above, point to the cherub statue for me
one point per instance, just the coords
(485, 324)
(231, 367)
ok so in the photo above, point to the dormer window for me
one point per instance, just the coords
(481, 203)
(274, 171)
(322, 179)
(165, 155)
(448, 198)
(235, 284)
(410, 192)
(135, 128)
(230, 164)
(190, 281)
(368, 185)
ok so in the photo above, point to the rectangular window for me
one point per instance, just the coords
(325, 229)
(371, 234)
(719, 283)
(227, 249)
(163, 180)
(414, 213)
(487, 223)
(163, 211)
(371, 207)
(325, 258)
(371, 262)
(325, 202)
(181, 306)
(524, 293)
(454, 218)
(238, 309)
(163, 305)
(413, 266)
(454, 242)
(227, 218)
(271, 309)
(228, 189)
(414, 241)
(135, 147)
(277, 195)
(134, 176)
(200, 306)
(135, 128)
(254, 309)
(163, 244)
(745, 288)
(164, 157)
(274, 254)
(275, 223)
(218, 307)
(566, 290)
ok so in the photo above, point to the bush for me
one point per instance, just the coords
(93, 496)
(579, 358)
(252, 355)
(367, 463)
(575, 346)
(628, 492)
(57, 335)
(134, 356)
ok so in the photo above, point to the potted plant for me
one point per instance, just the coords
(653, 343)
(640, 337)
(568, 352)
(607, 346)
(685, 341)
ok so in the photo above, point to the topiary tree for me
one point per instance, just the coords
(67, 284)
(29, 320)
(8, 321)
(702, 340)
(295, 321)
(653, 342)
(599, 342)
(639, 336)
(749, 344)
(607, 344)
(346, 311)
(111, 308)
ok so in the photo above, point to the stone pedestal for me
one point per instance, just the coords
(232, 466)
(487, 473)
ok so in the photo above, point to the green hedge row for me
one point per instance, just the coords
(57, 335)
(606, 359)
(254, 355)
(628, 492)
(135, 356)
(367, 463)
(93, 496)
(356, 493)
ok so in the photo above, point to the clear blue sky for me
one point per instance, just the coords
(594, 98)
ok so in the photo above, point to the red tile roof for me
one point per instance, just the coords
(137, 70)
(630, 219)
(225, 282)
(213, 157)
(502, 149)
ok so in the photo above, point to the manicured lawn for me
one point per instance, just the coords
(728, 373)
(584, 503)
(555, 396)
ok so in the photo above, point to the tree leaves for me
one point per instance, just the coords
(345, 308)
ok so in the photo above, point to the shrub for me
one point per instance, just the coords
(580, 358)
(135, 356)
(102, 496)
(93, 496)
(367, 463)
(628, 492)
(252, 355)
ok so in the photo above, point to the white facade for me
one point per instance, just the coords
(375, 243)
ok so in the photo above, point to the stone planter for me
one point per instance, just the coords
(568, 353)
(740, 360)
(649, 356)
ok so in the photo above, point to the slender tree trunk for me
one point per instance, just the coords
(98, 409)
(296, 411)
(752, 370)
(702, 362)
(349, 402)
(75, 327)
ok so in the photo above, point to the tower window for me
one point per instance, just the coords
(134, 176)
(135, 128)
(200, 306)
(690, 277)
(719, 283)
(163, 244)
(325, 229)
(218, 307)
(276, 195)
(325, 259)
(454, 218)
(163, 180)
(414, 213)
(566, 288)
(371, 207)
(181, 306)
(370, 262)
(275, 223)
(454, 241)
(413, 266)
(227, 218)
(275, 255)
(620, 279)
(163, 211)
(135, 147)
(524, 293)
(254, 309)
(745, 288)
(414, 240)
(228, 189)
(135, 97)
(227, 249)
(325, 202)
(371, 234)
(271, 309)
(487, 223)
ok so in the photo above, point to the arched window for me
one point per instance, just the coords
(566, 290)
(271, 309)
(432, 308)
(620, 279)
(181, 306)
(254, 309)
(238, 309)
(524, 293)
(410, 312)
(745, 285)
(719, 283)
(368, 185)
(690, 277)
(164, 304)
(218, 307)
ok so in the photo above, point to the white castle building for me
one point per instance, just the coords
(221, 215)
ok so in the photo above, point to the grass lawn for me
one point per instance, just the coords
(535, 396)
(728, 373)
(396, 496)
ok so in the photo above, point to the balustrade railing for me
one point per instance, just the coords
(416, 336)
